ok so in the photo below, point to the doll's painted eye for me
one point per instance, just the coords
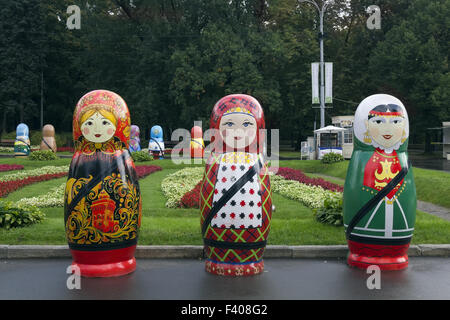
(247, 123)
(89, 123)
(229, 124)
(105, 123)
(396, 121)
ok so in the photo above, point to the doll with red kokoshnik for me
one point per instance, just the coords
(102, 201)
(235, 236)
(381, 237)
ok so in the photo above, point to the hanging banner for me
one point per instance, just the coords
(315, 82)
(328, 82)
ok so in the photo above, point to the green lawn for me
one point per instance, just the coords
(292, 224)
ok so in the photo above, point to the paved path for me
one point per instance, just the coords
(286, 279)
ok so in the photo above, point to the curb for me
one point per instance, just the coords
(195, 252)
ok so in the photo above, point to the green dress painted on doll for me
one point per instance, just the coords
(382, 235)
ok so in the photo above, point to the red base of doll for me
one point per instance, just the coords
(109, 263)
(234, 270)
(386, 257)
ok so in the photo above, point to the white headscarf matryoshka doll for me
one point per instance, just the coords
(102, 201)
(135, 142)
(235, 231)
(383, 234)
(22, 146)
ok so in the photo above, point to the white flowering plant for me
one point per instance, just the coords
(34, 173)
(177, 184)
(53, 198)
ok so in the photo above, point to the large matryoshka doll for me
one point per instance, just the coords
(379, 191)
(102, 201)
(22, 146)
(135, 142)
(236, 200)
(197, 144)
(48, 138)
(156, 143)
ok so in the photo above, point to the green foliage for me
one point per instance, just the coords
(13, 215)
(141, 156)
(331, 212)
(172, 62)
(332, 158)
(45, 155)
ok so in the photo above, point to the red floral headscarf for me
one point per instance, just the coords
(238, 102)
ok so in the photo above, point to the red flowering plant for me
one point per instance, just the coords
(143, 171)
(191, 199)
(7, 187)
(298, 175)
(65, 149)
(10, 167)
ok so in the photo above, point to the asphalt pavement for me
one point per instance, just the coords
(185, 279)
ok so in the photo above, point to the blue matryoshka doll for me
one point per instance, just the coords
(156, 143)
(22, 146)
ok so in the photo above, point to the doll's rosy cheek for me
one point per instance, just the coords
(110, 131)
(224, 133)
(86, 131)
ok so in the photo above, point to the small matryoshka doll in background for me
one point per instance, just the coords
(236, 202)
(156, 143)
(135, 142)
(382, 232)
(48, 138)
(102, 200)
(197, 144)
(22, 146)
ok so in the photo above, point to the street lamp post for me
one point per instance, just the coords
(322, 64)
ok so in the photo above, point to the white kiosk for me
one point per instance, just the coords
(328, 140)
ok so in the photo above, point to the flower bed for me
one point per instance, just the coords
(182, 189)
(7, 149)
(177, 184)
(298, 175)
(191, 199)
(65, 149)
(34, 173)
(143, 171)
(10, 167)
(12, 182)
(55, 197)
(7, 187)
(311, 196)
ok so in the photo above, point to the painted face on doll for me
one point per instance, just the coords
(387, 131)
(238, 130)
(97, 128)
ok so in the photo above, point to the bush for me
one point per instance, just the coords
(141, 156)
(331, 212)
(332, 158)
(13, 215)
(43, 155)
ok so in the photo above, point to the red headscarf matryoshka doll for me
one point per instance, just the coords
(235, 228)
(102, 201)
